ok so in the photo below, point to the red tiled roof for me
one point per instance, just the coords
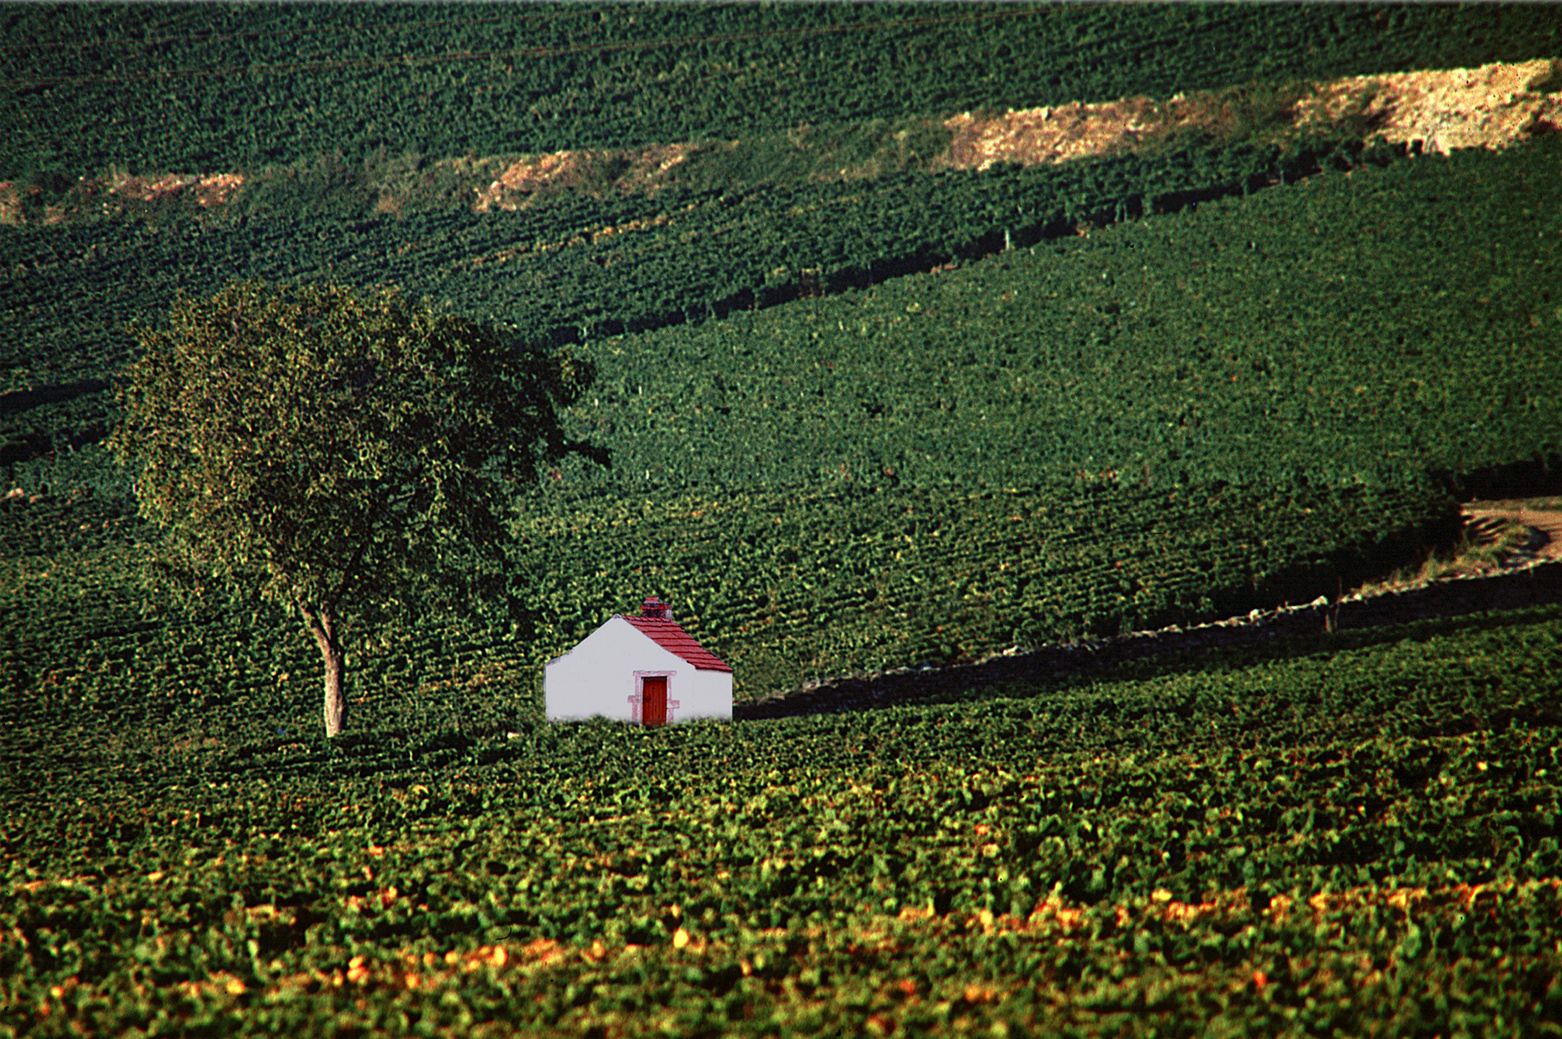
(674, 639)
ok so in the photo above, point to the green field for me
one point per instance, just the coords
(1166, 420)
(853, 434)
(247, 86)
(1350, 833)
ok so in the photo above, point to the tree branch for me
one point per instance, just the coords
(351, 571)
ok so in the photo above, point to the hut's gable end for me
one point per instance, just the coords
(618, 640)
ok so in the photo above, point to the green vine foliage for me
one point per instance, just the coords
(1311, 835)
(1215, 409)
(242, 87)
(1349, 831)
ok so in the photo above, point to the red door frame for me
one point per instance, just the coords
(653, 700)
(644, 712)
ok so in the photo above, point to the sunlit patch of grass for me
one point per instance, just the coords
(1483, 548)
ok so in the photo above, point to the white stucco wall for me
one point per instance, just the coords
(598, 677)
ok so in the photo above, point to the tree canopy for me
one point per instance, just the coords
(348, 454)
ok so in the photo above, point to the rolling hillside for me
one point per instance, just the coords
(942, 350)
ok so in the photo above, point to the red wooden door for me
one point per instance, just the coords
(653, 700)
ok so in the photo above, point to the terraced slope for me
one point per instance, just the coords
(219, 91)
(1433, 110)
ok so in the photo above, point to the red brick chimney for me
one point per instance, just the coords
(654, 607)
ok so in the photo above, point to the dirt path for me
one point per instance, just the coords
(1439, 110)
(1542, 523)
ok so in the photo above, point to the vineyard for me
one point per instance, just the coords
(808, 586)
(577, 268)
(248, 87)
(1296, 842)
(1167, 418)
(917, 451)
(1230, 313)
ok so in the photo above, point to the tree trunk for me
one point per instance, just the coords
(324, 631)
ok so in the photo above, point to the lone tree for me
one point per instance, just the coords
(342, 453)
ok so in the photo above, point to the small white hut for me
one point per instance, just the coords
(643, 669)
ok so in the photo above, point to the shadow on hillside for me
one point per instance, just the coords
(1466, 604)
(16, 401)
(1539, 476)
